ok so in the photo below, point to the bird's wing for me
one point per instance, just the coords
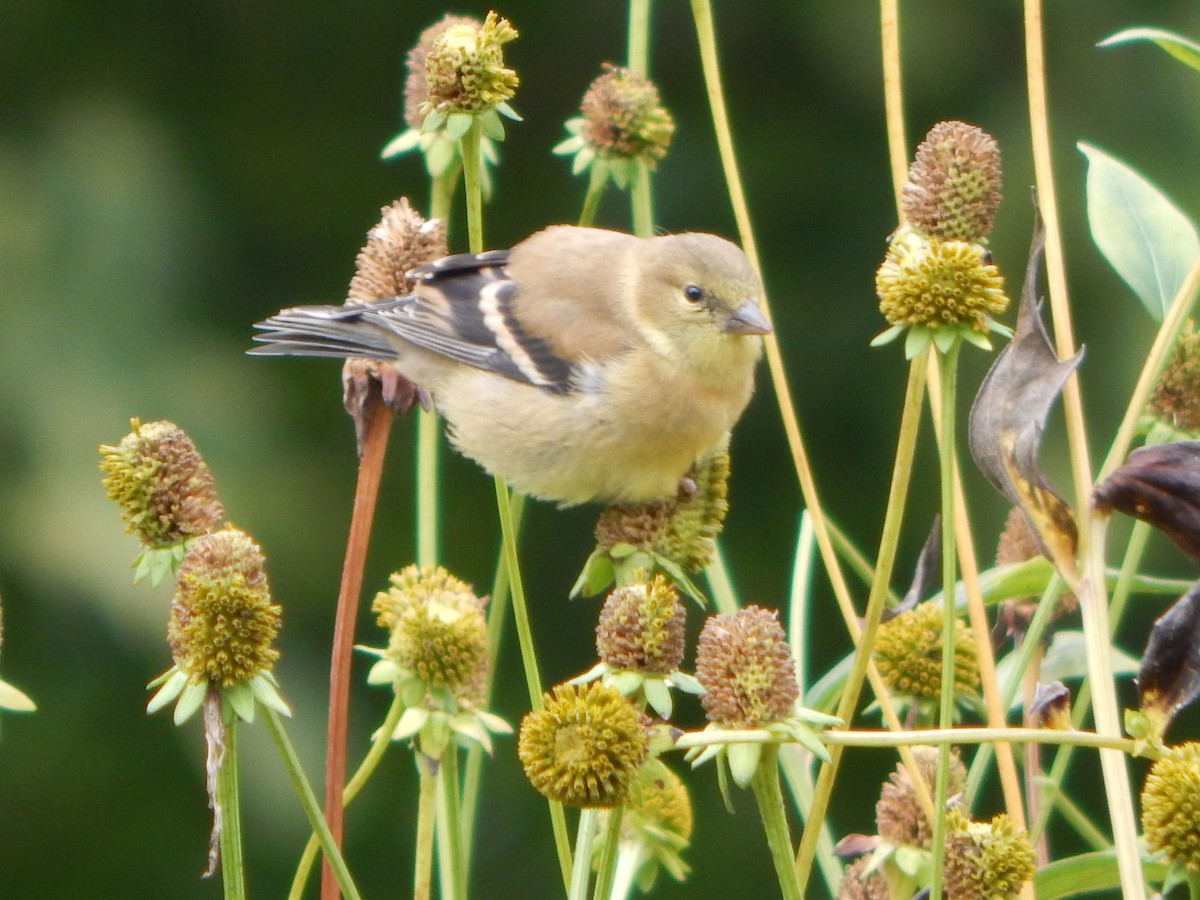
(460, 308)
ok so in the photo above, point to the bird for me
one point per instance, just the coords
(581, 366)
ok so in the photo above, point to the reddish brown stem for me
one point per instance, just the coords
(370, 467)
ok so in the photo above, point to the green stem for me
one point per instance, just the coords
(608, 854)
(312, 809)
(893, 519)
(558, 821)
(765, 784)
(1078, 819)
(441, 197)
(233, 865)
(639, 36)
(427, 488)
(533, 679)
(721, 585)
(946, 460)
(426, 816)
(642, 202)
(497, 614)
(450, 834)
(797, 776)
(581, 871)
(469, 149)
(1092, 592)
(1193, 882)
(597, 179)
(880, 739)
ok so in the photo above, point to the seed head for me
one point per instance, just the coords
(986, 860)
(416, 92)
(908, 651)
(1176, 401)
(899, 817)
(464, 67)
(930, 282)
(953, 188)
(222, 618)
(438, 631)
(746, 668)
(623, 118)
(1171, 806)
(857, 885)
(684, 529)
(641, 628)
(161, 483)
(583, 748)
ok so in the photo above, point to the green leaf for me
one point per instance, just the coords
(1090, 872)
(743, 762)
(14, 700)
(407, 140)
(1141, 233)
(189, 700)
(1187, 52)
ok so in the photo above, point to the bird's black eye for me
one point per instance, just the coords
(693, 293)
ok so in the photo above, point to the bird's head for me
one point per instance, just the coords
(699, 298)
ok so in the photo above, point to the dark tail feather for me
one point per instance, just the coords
(336, 331)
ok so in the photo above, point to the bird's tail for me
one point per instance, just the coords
(337, 331)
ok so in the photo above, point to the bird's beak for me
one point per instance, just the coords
(748, 319)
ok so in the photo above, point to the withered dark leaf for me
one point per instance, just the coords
(1169, 677)
(923, 574)
(1009, 415)
(1050, 706)
(1160, 485)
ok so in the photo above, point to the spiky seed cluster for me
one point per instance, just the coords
(931, 282)
(416, 91)
(899, 817)
(438, 631)
(222, 618)
(161, 483)
(1171, 806)
(908, 651)
(464, 67)
(683, 530)
(401, 240)
(953, 188)
(1176, 400)
(857, 885)
(746, 668)
(1016, 542)
(986, 860)
(583, 748)
(641, 628)
(623, 118)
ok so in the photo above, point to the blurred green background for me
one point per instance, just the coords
(171, 173)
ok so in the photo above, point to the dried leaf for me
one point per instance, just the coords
(1009, 415)
(1159, 485)
(924, 573)
(1169, 678)
(1050, 707)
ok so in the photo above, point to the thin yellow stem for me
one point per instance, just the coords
(893, 95)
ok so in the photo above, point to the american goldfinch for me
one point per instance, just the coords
(581, 365)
